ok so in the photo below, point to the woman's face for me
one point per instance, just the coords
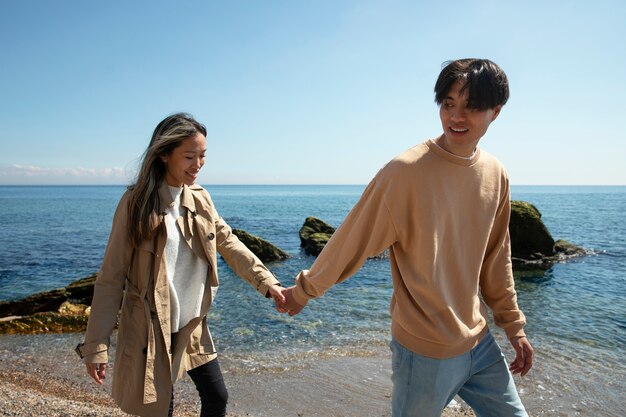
(184, 163)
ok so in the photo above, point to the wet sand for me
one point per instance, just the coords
(343, 387)
(42, 376)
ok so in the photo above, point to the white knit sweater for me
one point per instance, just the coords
(186, 272)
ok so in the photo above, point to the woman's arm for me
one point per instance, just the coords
(108, 290)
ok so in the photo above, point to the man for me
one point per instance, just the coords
(442, 207)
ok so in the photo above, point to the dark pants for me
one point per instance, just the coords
(211, 387)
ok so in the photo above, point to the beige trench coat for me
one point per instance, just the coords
(148, 360)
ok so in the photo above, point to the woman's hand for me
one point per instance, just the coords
(97, 371)
(276, 292)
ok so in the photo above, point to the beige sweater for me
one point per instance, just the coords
(445, 219)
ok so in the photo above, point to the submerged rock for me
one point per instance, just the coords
(565, 248)
(263, 249)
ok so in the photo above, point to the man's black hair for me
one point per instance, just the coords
(484, 82)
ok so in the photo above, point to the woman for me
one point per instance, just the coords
(160, 266)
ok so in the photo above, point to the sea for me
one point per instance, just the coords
(576, 310)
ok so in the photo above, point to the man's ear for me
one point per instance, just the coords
(496, 112)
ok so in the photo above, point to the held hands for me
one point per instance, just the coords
(97, 371)
(523, 355)
(285, 303)
(276, 292)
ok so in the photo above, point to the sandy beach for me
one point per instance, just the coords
(41, 376)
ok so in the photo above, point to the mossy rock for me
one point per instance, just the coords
(563, 247)
(530, 238)
(36, 303)
(79, 292)
(316, 242)
(532, 245)
(263, 249)
(47, 322)
(314, 225)
(71, 309)
(314, 234)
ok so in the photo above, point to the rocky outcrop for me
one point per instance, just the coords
(263, 249)
(69, 318)
(78, 292)
(314, 234)
(532, 245)
(567, 249)
(64, 310)
(530, 237)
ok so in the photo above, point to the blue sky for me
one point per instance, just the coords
(304, 92)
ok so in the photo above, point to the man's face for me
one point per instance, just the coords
(463, 127)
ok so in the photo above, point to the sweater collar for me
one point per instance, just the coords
(458, 160)
(186, 198)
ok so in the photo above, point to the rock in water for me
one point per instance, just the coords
(565, 248)
(45, 322)
(314, 234)
(79, 292)
(62, 310)
(530, 238)
(263, 249)
(532, 245)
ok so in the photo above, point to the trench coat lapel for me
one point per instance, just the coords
(187, 221)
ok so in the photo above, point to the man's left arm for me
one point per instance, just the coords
(498, 287)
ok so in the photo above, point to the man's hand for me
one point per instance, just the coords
(523, 355)
(291, 306)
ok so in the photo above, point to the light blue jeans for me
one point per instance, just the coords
(422, 386)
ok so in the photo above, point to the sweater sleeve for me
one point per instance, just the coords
(367, 230)
(497, 284)
(109, 288)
